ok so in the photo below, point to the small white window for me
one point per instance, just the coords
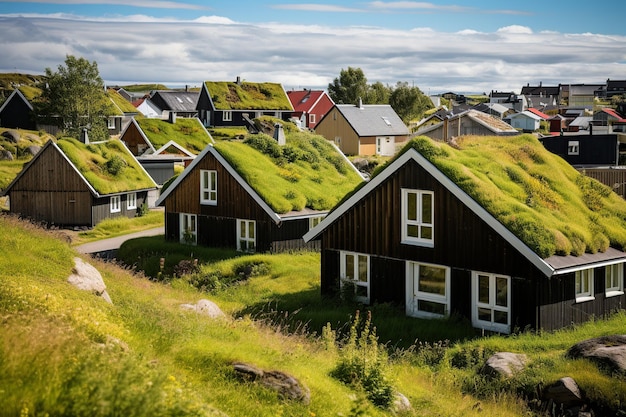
(355, 272)
(131, 201)
(614, 277)
(418, 217)
(246, 235)
(491, 302)
(278, 115)
(427, 290)
(572, 147)
(227, 116)
(188, 229)
(311, 118)
(584, 285)
(208, 187)
(111, 123)
(314, 221)
(116, 207)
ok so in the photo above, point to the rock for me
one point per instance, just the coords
(32, 150)
(86, 277)
(6, 155)
(607, 351)
(401, 404)
(565, 391)
(205, 307)
(11, 135)
(504, 364)
(284, 384)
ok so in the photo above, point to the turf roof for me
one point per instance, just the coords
(248, 96)
(187, 132)
(308, 172)
(121, 104)
(107, 166)
(535, 194)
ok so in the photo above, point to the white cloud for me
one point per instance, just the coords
(515, 29)
(314, 7)
(152, 4)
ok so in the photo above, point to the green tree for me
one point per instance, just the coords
(409, 102)
(74, 99)
(349, 87)
(377, 93)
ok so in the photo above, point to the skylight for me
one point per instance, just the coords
(387, 122)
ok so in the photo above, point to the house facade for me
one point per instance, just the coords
(525, 121)
(374, 129)
(439, 252)
(17, 113)
(470, 122)
(309, 106)
(176, 103)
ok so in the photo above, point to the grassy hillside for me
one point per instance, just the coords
(68, 352)
(188, 133)
(27, 138)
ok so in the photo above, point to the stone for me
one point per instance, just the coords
(282, 383)
(401, 404)
(12, 135)
(607, 351)
(565, 391)
(205, 307)
(32, 150)
(87, 278)
(504, 364)
(6, 155)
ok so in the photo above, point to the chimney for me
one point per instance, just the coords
(238, 80)
(172, 117)
(84, 136)
(279, 134)
(360, 103)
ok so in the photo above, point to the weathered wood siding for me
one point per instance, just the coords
(133, 138)
(592, 149)
(101, 208)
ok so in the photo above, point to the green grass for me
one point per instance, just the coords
(119, 226)
(121, 104)
(189, 133)
(228, 133)
(259, 96)
(67, 352)
(10, 169)
(91, 160)
(537, 195)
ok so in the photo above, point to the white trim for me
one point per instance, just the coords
(355, 272)
(227, 115)
(209, 188)
(413, 295)
(115, 204)
(16, 92)
(143, 135)
(619, 288)
(193, 231)
(418, 222)
(490, 325)
(132, 199)
(587, 275)
(246, 238)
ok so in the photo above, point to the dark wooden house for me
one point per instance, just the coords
(412, 236)
(212, 204)
(68, 183)
(17, 113)
(223, 103)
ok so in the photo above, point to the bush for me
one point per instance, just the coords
(115, 165)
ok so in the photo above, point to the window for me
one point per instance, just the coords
(355, 272)
(311, 118)
(417, 217)
(208, 187)
(428, 290)
(131, 201)
(572, 147)
(116, 207)
(584, 285)
(246, 235)
(314, 221)
(491, 300)
(111, 123)
(188, 229)
(614, 277)
(227, 116)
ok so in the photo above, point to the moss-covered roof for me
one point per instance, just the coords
(187, 132)
(107, 166)
(308, 172)
(121, 105)
(248, 96)
(535, 194)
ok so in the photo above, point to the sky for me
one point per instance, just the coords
(459, 46)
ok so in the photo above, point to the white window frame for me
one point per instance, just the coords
(491, 305)
(311, 118)
(414, 295)
(614, 280)
(110, 122)
(573, 147)
(131, 201)
(208, 187)
(345, 279)
(418, 222)
(188, 219)
(583, 285)
(314, 221)
(116, 205)
(245, 242)
(227, 116)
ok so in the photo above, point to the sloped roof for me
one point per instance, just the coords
(494, 124)
(178, 101)
(614, 114)
(373, 119)
(121, 106)
(245, 95)
(304, 100)
(525, 113)
(307, 175)
(189, 133)
(538, 113)
(548, 211)
(16, 93)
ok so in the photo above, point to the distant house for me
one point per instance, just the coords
(224, 103)
(583, 95)
(177, 103)
(493, 109)
(69, 183)
(541, 95)
(147, 108)
(510, 100)
(615, 88)
(525, 121)
(542, 115)
(610, 120)
(234, 195)
(17, 113)
(159, 144)
(121, 112)
(374, 129)
(309, 106)
(466, 233)
(471, 122)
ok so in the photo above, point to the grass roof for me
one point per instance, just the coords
(187, 132)
(122, 105)
(537, 195)
(245, 95)
(107, 166)
(307, 172)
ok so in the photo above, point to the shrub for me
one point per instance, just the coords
(114, 165)
(186, 267)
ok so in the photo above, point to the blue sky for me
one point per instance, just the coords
(459, 46)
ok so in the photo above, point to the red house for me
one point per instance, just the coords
(309, 106)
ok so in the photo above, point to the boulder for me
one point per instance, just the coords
(6, 155)
(11, 135)
(401, 404)
(565, 391)
(205, 307)
(86, 277)
(284, 384)
(607, 351)
(32, 150)
(504, 364)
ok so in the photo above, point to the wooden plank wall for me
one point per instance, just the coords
(613, 178)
